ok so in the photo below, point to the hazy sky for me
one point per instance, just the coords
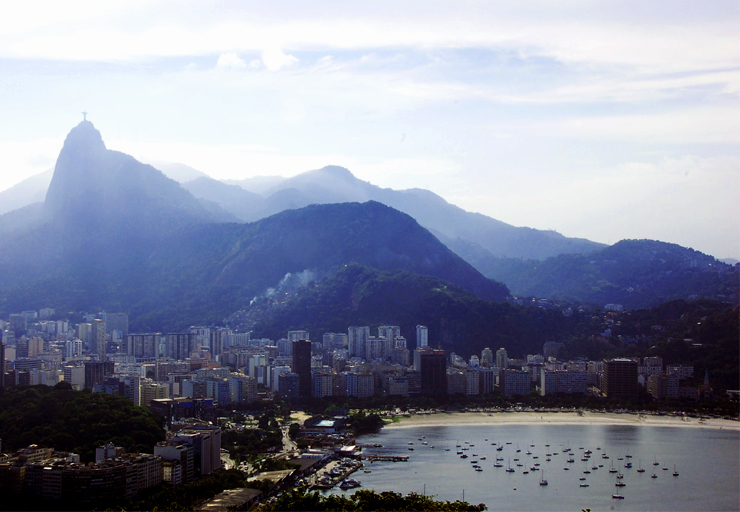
(603, 120)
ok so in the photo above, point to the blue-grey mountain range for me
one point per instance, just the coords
(115, 233)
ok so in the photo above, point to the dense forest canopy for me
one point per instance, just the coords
(75, 421)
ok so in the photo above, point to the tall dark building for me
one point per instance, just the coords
(96, 372)
(289, 385)
(302, 366)
(620, 378)
(142, 344)
(180, 344)
(98, 338)
(433, 370)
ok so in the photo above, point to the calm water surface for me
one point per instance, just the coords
(706, 459)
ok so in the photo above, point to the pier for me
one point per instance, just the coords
(385, 458)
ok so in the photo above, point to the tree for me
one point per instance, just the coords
(301, 499)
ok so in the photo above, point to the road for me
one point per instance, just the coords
(290, 448)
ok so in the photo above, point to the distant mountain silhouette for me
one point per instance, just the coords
(256, 184)
(181, 173)
(634, 273)
(92, 184)
(459, 229)
(246, 206)
(29, 191)
(117, 234)
(262, 196)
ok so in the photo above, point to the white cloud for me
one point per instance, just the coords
(591, 34)
(274, 59)
(230, 61)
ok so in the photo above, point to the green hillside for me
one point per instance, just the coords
(634, 273)
(74, 421)
(457, 320)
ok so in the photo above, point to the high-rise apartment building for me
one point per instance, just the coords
(302, 366)
(142, 345)
(298, 335)
(502, 358)
(180, 344)
(422, 336)
(73, 349)
(219, 340)
(96, 372)
(514, 382)
(559, 381)
(361, 385)
(486, 357)
(288, 385)
(620, 378)
(433, 370)
(97, 338)
(84, 332)
(357, 340)
(389, 333)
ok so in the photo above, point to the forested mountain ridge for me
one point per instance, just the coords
(634, 273)
(457, 320)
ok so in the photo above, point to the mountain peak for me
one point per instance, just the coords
(336, 172)
(93, 186)
(85, 137)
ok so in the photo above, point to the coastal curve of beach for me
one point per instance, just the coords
(558, 418)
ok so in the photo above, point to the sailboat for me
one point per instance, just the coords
(617, 495)
(510, 469)
(640, 469)
(542, 479)
(612, 469)
(675, 472)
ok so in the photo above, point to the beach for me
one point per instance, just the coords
(557, 418)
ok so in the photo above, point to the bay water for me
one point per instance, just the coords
(705, 458)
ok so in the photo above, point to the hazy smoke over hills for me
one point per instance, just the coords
(290, 283)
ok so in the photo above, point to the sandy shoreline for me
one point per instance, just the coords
(558, 418)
